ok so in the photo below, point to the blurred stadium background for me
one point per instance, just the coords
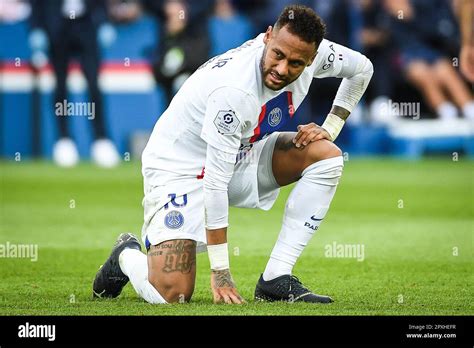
(134, 47)
(413, 211)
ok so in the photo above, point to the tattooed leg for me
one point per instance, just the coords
(172, 269)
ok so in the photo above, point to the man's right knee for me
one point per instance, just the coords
(173, 292)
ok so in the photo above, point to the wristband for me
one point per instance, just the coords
(333, 125)
(218, 256)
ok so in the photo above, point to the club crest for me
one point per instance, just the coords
(274, 117)
(174, 219)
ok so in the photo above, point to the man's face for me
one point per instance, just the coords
(284, 58)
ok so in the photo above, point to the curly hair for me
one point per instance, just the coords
(303, 22)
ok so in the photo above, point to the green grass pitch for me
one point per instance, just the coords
(415, 221)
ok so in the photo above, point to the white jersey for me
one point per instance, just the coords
(225, 104)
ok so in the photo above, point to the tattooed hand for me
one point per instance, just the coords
(223, 287)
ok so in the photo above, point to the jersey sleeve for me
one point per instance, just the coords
(224, 123)
(227, 111)
(334, 60)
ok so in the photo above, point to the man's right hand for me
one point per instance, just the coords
(223, 288)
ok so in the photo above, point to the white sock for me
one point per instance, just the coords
(306, 206)
(135, 266)
(447, 111)
(468, 110)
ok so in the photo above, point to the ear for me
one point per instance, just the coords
(268, 35)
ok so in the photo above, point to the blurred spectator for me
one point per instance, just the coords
(227, 28)
(197, 10)
(120, 12)
(184, 47)
(465, 11)
(124, 11)
(337, 17)
(71, 27)
(378, 46)
(14, 11)
(262, 13)
(427, 34)
(256, 12)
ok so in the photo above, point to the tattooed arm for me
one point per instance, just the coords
(222, 285)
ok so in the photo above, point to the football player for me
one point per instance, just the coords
(218, 144)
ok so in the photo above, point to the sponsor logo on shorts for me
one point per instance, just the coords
(274, 117)
(174, 219)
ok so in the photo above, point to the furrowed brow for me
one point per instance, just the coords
(276, 50)
(299, 61)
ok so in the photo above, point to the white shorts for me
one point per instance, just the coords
(176, 211)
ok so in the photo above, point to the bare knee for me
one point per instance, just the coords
(421, 74)
(321, 150)
(173, 292)
(443, 69)
(289, 162)
(177, 294)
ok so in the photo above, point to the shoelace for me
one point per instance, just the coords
(297, 281)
